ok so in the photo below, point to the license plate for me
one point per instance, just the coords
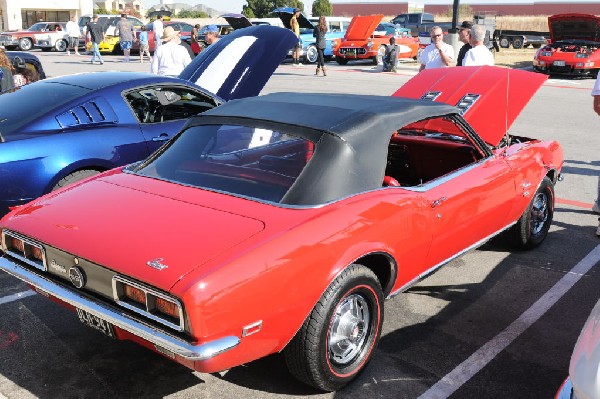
(559, 63)
(96, 323)
(350, 54)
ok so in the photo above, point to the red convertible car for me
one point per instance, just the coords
(257, 230)
(574, 47)
(367, 38)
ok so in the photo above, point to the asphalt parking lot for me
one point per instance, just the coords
(491, 324)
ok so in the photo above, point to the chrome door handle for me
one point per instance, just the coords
(161, 137)
(438, 202)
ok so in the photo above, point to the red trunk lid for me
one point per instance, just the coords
(501, 93)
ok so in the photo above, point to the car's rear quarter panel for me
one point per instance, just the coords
(274, 280)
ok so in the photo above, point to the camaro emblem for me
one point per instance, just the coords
(77, 277)
(54, 265)
(156, 264)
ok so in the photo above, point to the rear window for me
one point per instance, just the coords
(251, 162)
(30, 102)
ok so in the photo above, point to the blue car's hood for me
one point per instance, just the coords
(286, 13)
(241, 63)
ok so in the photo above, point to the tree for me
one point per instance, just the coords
(263, 8)
(192, 14)
(321, 7)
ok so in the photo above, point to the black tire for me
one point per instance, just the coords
(532, 227)
(25, 44)
(74, 177)
(504, 42)
(349, 312)
(341, 61)
(517, 43)
(538, 45)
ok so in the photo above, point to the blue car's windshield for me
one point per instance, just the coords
(30, 102)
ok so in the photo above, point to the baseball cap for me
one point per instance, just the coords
(297, 10)
(212, 28)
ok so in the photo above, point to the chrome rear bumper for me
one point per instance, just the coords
(161, 340)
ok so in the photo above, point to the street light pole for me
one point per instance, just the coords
(453, 32)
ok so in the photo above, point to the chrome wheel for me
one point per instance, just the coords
(61, 45)
(25, 44)
(349, 329)
(311, 55)
(539, 213)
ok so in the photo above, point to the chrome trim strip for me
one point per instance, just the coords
(176, 345)
(434, 268)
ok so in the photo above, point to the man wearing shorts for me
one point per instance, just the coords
(74, 33)
(125, 32)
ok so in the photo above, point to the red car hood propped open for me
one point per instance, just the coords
(179, 233)
(503, 93)
(362, 27)
(574, 26)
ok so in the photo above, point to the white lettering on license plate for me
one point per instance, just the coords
(96, 323)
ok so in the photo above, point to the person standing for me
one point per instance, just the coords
(437, 54)
(170, 59)
(464, 35)
(144, 44)
(125, 31)
(74, 34)
(319, 34)
(596, 95)
(195, 40)
(390, 59)
(7, 81)
(479, 54)
(295, 27)
(96, 35)
(158, 28)
(211, 34)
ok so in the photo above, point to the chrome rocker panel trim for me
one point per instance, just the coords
(177, 346)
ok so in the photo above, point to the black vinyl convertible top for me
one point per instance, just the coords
(351, 135)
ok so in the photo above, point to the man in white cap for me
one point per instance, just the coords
(170, 58)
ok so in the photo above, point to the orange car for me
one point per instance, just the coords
(367, 38)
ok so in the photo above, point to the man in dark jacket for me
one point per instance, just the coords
(464, 35)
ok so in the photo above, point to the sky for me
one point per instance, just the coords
(219, 5)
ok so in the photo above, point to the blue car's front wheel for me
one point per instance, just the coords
(311, 54)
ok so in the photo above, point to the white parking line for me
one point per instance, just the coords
(467, 369)
(16, 297)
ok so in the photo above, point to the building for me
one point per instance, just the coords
(135, 7)
(16, 15)
(501, 7)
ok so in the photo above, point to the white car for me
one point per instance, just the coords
(55, 37)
